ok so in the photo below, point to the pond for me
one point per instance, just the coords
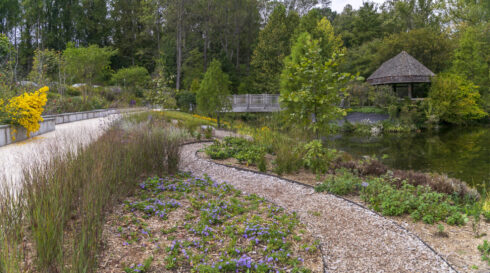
(460, 152)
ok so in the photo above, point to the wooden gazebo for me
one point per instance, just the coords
(402, 72)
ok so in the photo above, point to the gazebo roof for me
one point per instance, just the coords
(402, 68)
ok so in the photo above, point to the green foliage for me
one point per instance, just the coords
(162, 97)
(45, 66)
(329, 43)
(316, 157)
(272, 46)
(225, 224)
(471, 57)
(250, 155)
(262, 164)
(368, 110)
(131, 78)
(455, 99)
(85, 64)
(186, 100)
(212, 97)
(311, 87)
(244, 151)
(420, 202)
(288, 160)
(431, 48)
(343, 182)
(485, 251)
(139, 268)
(192, 68)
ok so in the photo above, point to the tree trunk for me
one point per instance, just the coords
(237, 37)
(179, 44)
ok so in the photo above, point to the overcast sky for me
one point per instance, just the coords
(338, 5)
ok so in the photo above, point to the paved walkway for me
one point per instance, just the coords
(66, 137)
(353, 239)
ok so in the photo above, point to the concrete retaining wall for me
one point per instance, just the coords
(8, 135)
(71, 117)
(50, 121)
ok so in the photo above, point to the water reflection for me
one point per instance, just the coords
(460, 152)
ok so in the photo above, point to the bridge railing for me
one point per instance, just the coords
(255, 102)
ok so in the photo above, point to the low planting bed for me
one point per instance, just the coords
(186, 224)
(442, 211)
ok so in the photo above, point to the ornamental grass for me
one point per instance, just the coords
(54, 222)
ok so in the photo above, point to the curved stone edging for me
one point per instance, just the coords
(437, 260)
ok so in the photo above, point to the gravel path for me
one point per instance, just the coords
(36, 150)
(353, 239)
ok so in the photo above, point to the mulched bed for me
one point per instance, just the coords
(181, 223)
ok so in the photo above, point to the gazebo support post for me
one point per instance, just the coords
(410, 86)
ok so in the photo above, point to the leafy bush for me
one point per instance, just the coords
(250, 155)
(368, 110)
(218, 151)
(485, 251)
(241, 149)
(382, 96)
(316, 157)
(73, 92)
(455, 99)
(343, 183)
(186, 100)
(135, 77)
(419, 201)
(288, 159)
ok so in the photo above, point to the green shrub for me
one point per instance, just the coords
(485, 251)
(73, 92)
(217, 151)
(241, 149)
(343, 183)
(316, 157)
(250, 155)
(486, 214)
(262, 164)
(455, 99)
(186, 100)
(288, 159)
(420, 202)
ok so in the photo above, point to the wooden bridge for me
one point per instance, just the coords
(255, 103)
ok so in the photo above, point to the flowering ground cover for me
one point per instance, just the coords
(182, 223)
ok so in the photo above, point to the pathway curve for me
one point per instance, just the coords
(353, 239)
(67, 137)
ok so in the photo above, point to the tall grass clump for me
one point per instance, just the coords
(65, 199)
(11, 229)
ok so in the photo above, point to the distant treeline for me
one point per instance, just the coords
(250, 38)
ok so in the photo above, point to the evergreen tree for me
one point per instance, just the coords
(213, 95)
(273, 45)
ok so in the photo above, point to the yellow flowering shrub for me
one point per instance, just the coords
(26, 109)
